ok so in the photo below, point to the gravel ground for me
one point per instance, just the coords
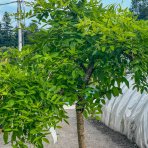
(97, 136)
(120, 140)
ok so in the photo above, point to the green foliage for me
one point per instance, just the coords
(82, 57)
(93, 46)
(29, 33)
(28, 106)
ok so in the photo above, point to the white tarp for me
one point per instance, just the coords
(128, 114)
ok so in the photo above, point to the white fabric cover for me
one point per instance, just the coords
(128, 114)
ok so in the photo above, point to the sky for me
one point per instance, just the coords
(12, 8)
(124, 3)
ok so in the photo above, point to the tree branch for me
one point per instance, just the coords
(81, 65)
(89, 72)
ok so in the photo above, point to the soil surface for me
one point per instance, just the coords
(120, 140)
(97, 136)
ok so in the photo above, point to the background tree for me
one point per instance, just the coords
(9, 34)
(91, 48)
(140, 8)
(0, 33)
(7, 31)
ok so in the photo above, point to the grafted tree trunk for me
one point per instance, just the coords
(80, 128)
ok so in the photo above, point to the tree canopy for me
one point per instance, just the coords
(140, 8)
(7, 35)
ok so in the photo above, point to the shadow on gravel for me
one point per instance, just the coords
(116, 137)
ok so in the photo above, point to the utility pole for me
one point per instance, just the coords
(19, 25)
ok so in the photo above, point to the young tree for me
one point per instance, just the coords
(82, 57)
(91, 49)
(140, 8)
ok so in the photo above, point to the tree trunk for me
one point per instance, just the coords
(80, 128)
(80, 106)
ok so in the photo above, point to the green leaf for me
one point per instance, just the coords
(103, 49)
(66, 121)
(14, 135)
(19, 93)
(115, 91)
(45, 140)
(125, 81)
(10, 103)
(98, 118)
(103, 101)
(58, 127)
(108, 94)
(37, 139)
(112, 48)
(5, 137)
(74, 74)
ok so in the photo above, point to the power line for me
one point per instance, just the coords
(11, 3)
(8, 3)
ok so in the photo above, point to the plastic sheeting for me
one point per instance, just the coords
(128, 114)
